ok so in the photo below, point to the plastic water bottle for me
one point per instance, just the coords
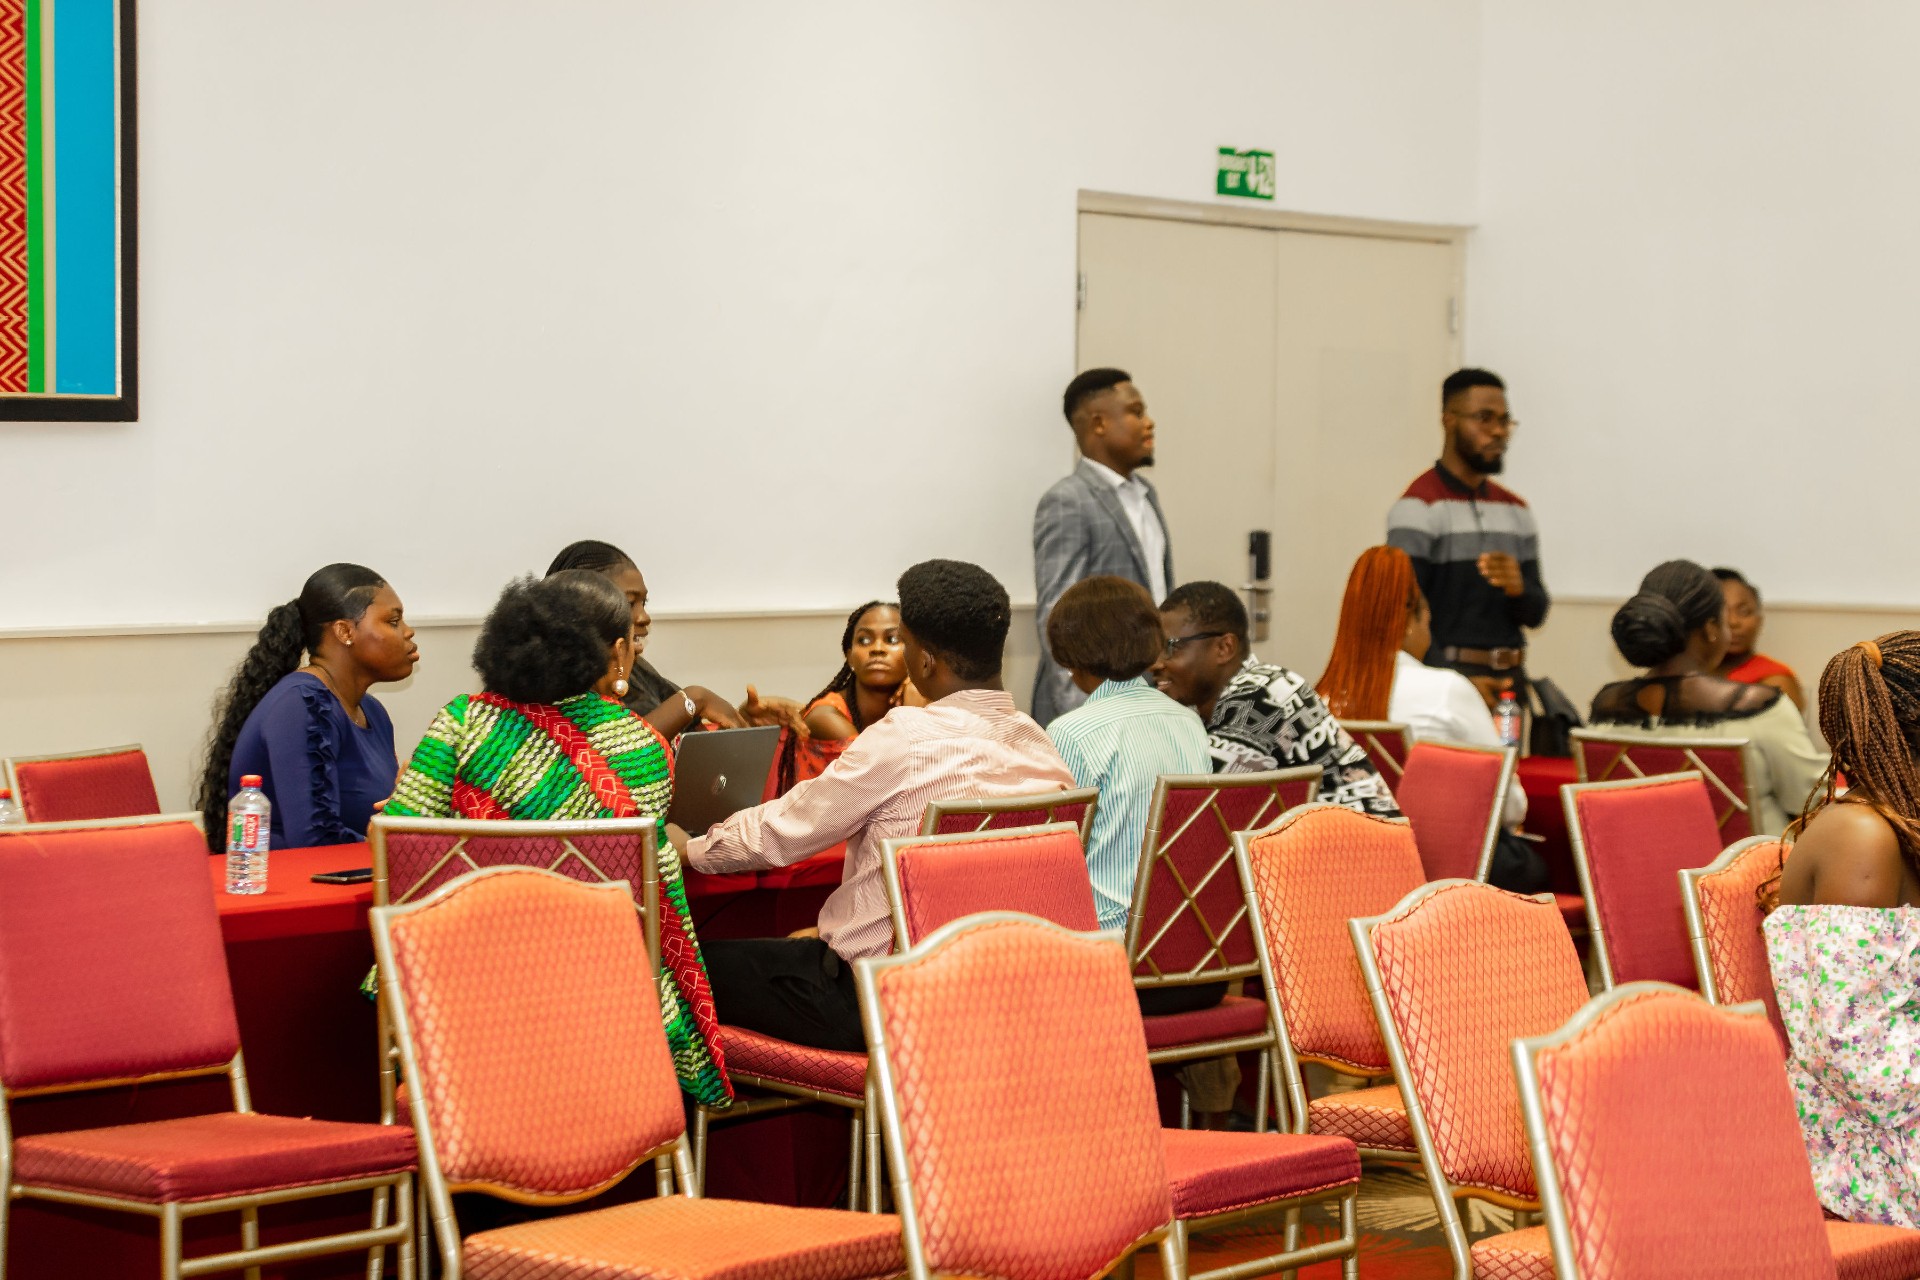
(1506, 719)
(11, 815)
(249, 823)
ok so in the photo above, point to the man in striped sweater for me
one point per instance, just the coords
(1475, 549)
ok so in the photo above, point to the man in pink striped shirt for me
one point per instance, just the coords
(968, 741)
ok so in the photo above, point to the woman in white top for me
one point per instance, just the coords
(1375, 672)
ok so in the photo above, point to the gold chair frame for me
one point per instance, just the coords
(676, 1154)
(1570, 800)
(174, 1264)
(1048, 802)
(1372, 735)
(1728, 801)
(1690, 878)
(9, 780)
(1446, 1193)
(1508, 767)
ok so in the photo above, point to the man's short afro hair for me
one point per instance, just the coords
(960, 612)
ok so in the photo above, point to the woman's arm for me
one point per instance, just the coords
(1854, 860)
(672, 716)
(1789, 684)
(826, 723)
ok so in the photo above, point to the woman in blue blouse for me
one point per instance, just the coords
(322, 745)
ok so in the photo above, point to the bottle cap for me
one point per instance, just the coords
(6, 793)
(249, 779)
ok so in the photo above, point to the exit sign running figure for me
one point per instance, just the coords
(1247, 174)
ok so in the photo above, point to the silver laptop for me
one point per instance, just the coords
(718, 773)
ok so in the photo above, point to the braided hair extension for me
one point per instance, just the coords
(293, 629)
(1382, 594)
(842, 682)
(1870, 716)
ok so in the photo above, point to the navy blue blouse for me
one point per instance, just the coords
(323, 772)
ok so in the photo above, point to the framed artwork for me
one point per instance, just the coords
(68, 313)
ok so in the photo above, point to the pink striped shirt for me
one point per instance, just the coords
(972, 743)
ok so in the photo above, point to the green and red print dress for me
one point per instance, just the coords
(586, 757)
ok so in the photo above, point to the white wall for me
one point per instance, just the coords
(1696, 262)
(778, 296)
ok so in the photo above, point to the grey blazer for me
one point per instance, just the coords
(1080, 530)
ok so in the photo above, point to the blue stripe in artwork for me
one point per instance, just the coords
(85, 233)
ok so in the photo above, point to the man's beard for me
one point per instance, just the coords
(1488, 464)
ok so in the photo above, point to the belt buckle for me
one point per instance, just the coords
(1506, 659)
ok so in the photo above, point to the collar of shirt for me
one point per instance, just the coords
(1454, 482)
(1112, 688)
(1402, 660)
(1113, 477)
(979, 701)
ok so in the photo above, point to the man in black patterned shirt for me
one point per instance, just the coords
(1258, 715)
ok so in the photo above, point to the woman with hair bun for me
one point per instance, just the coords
(549, 739)
(322, 745)
(1676, 628)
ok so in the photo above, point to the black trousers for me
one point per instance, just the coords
(794, 989)
(1157, 1002)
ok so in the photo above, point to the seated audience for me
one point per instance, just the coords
(967, 741)
(1676, 627)
(1258, 716)
(1745, 616)
(669, 707)
(872, 680)
(1844, 946)
(548, 740)
(322, 745)
(1378, 669)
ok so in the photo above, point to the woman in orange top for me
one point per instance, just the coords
(872, 680)
(1744, 618)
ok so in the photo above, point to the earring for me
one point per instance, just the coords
(619, 685)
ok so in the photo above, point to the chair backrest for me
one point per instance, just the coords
(1189, 922)
(1722, 905)
(1631, 839)
(530, 1032)
(992, 813)
(1663, 1127)
(1039, 871)
(112, 968)
(1456, 971)
(1726, 764)
(1386, 744)
(1089, 1179)
(1453, 793)
(80, 786)
(413, 857)
(1312, 871)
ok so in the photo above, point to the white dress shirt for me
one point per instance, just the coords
(1132, 492)
(1440, 705)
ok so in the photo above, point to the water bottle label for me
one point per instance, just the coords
(246, 831)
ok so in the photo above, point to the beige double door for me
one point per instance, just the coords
(1294, 379)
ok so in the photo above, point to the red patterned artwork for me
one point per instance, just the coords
(13, 195)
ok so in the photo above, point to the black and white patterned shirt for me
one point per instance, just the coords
(1269, 718)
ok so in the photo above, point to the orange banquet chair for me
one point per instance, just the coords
(1454, 793)
(1308, 874)
(528, 1023)
(1727, 765)
(991, 813)
(1722, 904)
(1188, 923)
(1667, 1143)
(1631, 839)
(1386, 744)
(1094, 1177)
(113, 974)
(1456, 971)
(79, 786)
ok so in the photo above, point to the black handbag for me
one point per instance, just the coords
(1554, 719)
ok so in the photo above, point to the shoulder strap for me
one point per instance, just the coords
(594, 769)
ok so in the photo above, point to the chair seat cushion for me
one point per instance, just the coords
(206, 1157)
(1233, 1017)
(674, 1238)
(1375, 1117)
(1213, 1173)
(830, 1071)
(1526, 1254)
(1869, 1251)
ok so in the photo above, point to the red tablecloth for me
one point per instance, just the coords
(1541, 777)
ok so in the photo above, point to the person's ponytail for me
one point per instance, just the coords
(276, 652)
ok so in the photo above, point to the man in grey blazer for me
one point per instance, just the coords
(1104, 518)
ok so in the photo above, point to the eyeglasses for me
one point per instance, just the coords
(1174, 642)
(1488, 418)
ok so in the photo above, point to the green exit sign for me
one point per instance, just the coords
(1247, 174)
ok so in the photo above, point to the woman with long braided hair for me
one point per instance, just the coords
(871, 681)
(1845, 945)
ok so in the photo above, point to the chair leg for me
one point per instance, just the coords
(1260, 1093)
(1186, 1108)
(406, 1261)
(170, 1242)
(663, 1176)
(1173, 1253)
(1291, 1241)
(377, 1258)
(699, 1151)
(856, 1158)
(1350, 1231)
(250, 1238)
(876, 1155)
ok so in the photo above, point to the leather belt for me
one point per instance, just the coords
(1498, 659)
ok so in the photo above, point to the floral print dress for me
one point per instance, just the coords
(1848, 981)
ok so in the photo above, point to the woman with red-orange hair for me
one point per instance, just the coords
(1376, 672)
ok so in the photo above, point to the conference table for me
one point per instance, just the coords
(296, 955)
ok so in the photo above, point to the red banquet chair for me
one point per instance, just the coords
(1631, 839)
(1386, 744)
(113, 974)
(80, 786)
(992, 813)
(1454, 793)
(528, 1020)
(1727, 765)
(1038, 871)
(1666, 1141)
(1095, 1178)
(1722, 904)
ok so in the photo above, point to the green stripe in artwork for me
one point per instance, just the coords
(36, 214)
